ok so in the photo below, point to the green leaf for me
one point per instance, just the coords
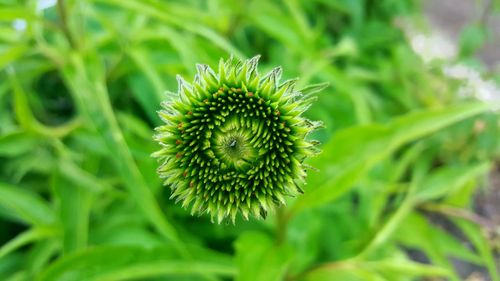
(12, 54)
(416, 232)
(77, 176)
(447, 180)
(16, 143)
(86, 75)
(150, 96)
(353, 151)
(16, 12)
(472, 37)
(26, 205)
(27, 237)
(305, 235)
(41, 254)
(18, 276)
(106, 263)
(342, 272)
(478, 239)
(74, 210)
(153, 269)
(400, 268)
(9, 265)
(259, 259)
(277, 24)
(160, 11)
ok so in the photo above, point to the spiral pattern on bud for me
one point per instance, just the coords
(234, 141)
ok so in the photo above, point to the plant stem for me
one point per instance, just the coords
(281, 225)
(388, 228)
(459, 213)
(86, 80)
(63, 16)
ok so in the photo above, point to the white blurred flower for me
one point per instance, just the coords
(432, 47)
(19, 24)
(474, 84)
(435, 46)
(45, 4)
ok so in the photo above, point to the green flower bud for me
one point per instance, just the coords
(234, 141)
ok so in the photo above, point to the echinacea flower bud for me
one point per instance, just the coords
(234, 141)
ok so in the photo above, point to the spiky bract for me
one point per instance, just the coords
(234, 141)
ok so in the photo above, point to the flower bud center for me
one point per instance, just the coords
(235, 149)
(233, 145)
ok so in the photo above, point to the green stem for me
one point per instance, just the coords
(281, 225)
(63, 17)
(87, 83)
(459, 213)
(387, 230)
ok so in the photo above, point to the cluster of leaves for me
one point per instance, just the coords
(80, 85)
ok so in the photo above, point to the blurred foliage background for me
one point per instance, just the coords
(392, 197)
